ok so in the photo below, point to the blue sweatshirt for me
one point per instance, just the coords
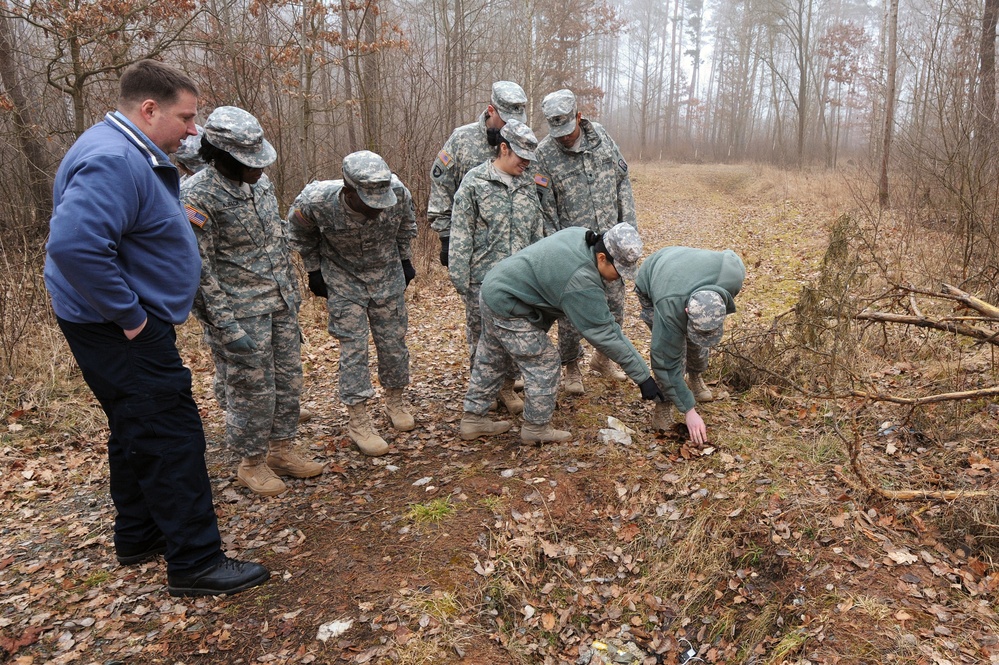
(120, 244)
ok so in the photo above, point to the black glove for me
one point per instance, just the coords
(408, 270)
(650, 390)
(445, 245)
(317, 284)
(241, 345)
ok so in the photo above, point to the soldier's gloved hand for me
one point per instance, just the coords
(650, 390)
(408, 270)
(242, 345)
(445, 245)
(317, 284)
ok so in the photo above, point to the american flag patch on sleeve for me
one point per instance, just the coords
(195, 216)
(444, 157)
(540, 180)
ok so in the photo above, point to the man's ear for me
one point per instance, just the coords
(148, 108)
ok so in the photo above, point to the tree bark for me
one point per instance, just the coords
(892, 66)
(39, 184)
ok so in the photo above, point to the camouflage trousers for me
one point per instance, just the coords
(569, 348)
(473, 326)
(261, 387)
(386, 321)
(218, 357)
(695, 357)
(505, 343)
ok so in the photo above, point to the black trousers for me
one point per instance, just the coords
(159, 480)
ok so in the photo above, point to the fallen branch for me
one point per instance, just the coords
(929, 399)
(924, 322)
(970, 301)
(853, 448)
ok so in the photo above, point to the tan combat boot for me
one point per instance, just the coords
(700, 389)
(363, 434)
(573, 378)
(662, 417)
(474, 426)
(397, 410)
(605, 367)
(284, 461)
(545, 433)
(511, 400)
(304, 415)
(254, 473)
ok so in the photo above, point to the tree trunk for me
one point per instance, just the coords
(985, 125)
(892, 66)
(39, 184)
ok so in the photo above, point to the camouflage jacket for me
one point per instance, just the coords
(361, 260)
(490, 222)
(466, 148)
(589, 188)
(246, 267)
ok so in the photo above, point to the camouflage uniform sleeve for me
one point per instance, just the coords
(407, 226)
(625, 198)
(546, 194)
(213, 301)
(443, 186)
(304, 235)
(462, 226)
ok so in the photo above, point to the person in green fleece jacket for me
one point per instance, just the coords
(564, 274)
(685, 295)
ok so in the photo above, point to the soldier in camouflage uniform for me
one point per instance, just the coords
(584, 182)
(496, 213)
(188, 155)
(248, 299)
(354, 236)
(685, 295)
(563, 275)
(467, 147)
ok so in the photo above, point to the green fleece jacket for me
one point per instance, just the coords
(558, 276)
(667, 279)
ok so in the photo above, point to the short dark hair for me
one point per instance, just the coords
(151, 79)
(213, 155)
(596, 241)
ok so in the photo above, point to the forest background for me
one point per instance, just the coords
(846, 149)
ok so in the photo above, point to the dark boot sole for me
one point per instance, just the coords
(204, 591)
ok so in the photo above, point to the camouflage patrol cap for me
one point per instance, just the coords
(705, 318)
(522, 140)
(187, 153)
(625, 248)
(237, 132)
(371, 177)
(509, 99)
(559, 108)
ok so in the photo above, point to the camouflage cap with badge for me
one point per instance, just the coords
(559, 108)
(625, 248)
(522, 140)
(371, 177)
(705, 318)
(237, 132)
(188, 153)
(509, 100)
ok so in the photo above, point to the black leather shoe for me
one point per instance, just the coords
(142, 553)
(220, 579)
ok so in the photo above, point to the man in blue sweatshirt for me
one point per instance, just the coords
(122, 269)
